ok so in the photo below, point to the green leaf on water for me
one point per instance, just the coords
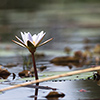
(3, 80)
(0, 92)
(42, 75)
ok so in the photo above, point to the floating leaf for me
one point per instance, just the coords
(83, 76)
(3, 80)
(55, 94)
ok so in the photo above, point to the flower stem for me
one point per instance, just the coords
(35, 70)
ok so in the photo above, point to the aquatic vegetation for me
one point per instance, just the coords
(54, 94)
(67, 50)
(24, 73)
(78, 60)
(31, 43)
(4, 73)
(96, 48)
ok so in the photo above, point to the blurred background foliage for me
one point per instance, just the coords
(34, 4)
(21, 4)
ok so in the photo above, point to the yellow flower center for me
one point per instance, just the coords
(33, 42)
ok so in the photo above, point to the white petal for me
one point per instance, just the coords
(18, 43)
(42, 32)
(19, 39)
(40, 37)
(26, 37)
(46, 42)
(34, 37)
(23, 37)
(29, 37)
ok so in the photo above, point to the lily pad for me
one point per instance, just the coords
(84, 76)
(3, 80)
(73, 77)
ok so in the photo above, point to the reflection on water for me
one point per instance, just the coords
(36, 92)
(69, 88)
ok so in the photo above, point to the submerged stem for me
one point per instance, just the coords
(34, 65)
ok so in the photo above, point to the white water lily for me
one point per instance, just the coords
(31, 42)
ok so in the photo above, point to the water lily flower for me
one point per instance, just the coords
(31, 42)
